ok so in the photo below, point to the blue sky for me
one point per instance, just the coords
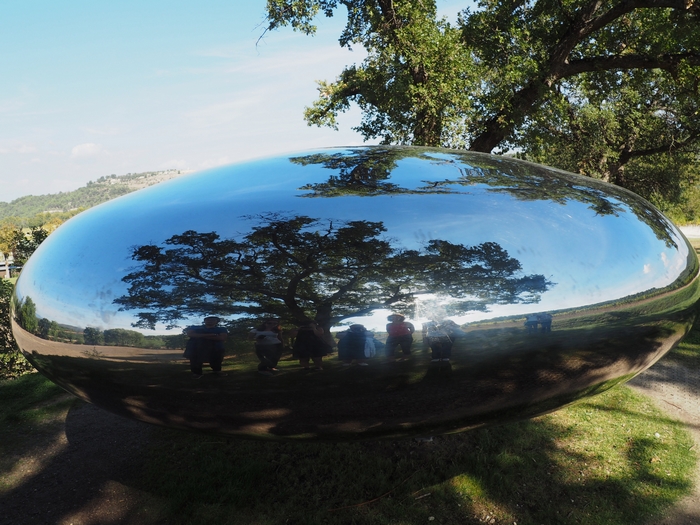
(98, 88)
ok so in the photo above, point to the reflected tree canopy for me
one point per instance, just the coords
(367, 172)
(362, 172)
(301, 268)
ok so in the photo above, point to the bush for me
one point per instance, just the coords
(12, 362)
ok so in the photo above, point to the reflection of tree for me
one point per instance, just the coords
(366, 172)
(93, 336)
(26, 315)
(530, 182)
(362, 171)
(300, 268)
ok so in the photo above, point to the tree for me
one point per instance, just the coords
(640, 134)
(44, 328)
(9, 236)
(414, 87)
(26, 315)
(12, 362)
(15, 241)
(93, 336)
(300, 268)
(508, 71)
(122, 337)
(27, 243)
(367, 172)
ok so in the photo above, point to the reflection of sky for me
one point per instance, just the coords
(590, 258)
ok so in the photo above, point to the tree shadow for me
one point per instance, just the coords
(521, 472)
(85, 467)
(528, 472)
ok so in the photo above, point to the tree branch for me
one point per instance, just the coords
(666, 61)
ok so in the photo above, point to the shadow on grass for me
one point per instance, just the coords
(611, 459)
(582, 465)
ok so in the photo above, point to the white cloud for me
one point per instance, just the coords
(212, 163)
(178, 164)
(109, 130)
(89, 149)
(647, 268)
(19, 148)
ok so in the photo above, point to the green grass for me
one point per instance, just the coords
(613, 459)
(32, 413)
(30, 398)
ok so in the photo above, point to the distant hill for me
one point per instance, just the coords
(94, 193)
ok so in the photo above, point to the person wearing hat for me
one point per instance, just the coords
(400, 334)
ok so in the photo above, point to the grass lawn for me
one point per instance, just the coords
(612, 459)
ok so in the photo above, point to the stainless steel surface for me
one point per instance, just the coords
(470, 248)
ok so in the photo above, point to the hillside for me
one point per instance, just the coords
(94, 193)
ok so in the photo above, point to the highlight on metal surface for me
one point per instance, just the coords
(355, 293)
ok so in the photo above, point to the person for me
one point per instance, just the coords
(439, 340)
(545, 320)
(206, 345)
(531, 323)
(356, 344)
(268, 345)
(400, 334)
(309, 344)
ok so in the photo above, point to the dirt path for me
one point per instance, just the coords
(676, 391)
(78, 476)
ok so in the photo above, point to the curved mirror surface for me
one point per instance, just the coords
(359, 292)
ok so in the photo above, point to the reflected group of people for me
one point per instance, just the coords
(543, 320)
(310, 344)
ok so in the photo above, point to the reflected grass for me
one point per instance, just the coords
(687, 353)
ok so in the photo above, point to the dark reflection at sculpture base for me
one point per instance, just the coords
(494, 376)
(494, 313)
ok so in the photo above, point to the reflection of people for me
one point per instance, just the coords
(545, 320)
(309, 344)
(268, 345)
(400, 333)
(206, 344)
(440, 341)
(356, 344)
(531, 323)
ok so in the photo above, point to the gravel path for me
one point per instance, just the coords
(675, 390)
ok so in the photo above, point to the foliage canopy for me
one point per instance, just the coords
(607, 89)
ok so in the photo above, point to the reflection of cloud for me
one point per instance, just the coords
(664, 259)
(647, 268)
(89, 149)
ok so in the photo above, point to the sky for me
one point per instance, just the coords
(94, 88)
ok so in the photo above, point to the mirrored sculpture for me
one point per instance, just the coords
(356, 293)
